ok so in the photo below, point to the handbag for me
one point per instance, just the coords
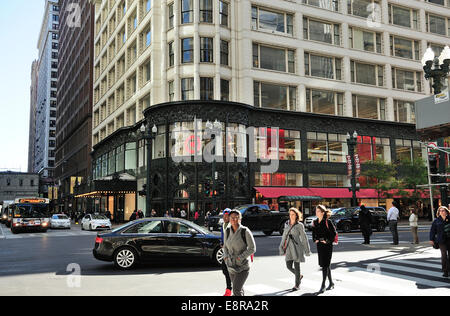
(336, 238)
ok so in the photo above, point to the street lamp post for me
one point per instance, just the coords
(438, 73)
(352, 140)
(149, 136)
(214, 130)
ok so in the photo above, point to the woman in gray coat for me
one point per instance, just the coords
(294, 245)
(239, 246)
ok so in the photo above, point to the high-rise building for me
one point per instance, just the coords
(46, 93)
(74, 106)
(33, 103)
(334, 65)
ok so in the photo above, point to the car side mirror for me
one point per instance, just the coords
(193, 232)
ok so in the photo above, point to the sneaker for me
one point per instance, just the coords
(228, 292)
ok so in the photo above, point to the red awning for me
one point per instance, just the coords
(327, 193)
(276, 192)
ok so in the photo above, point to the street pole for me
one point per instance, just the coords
(149, 135)
(351, 142)
(429, 184)
(148, 200)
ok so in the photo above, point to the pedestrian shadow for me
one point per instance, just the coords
(156, 268)
(425, 272)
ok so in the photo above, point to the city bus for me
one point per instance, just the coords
(29, 214)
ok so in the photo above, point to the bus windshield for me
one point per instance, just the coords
(31, 211)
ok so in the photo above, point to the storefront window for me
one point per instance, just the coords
(159, 143)
(236, 141)
(317, 147)
(403, 149)
(120, 158)
(290, 145)
(328, 180)
(278, 179)
(111, 162)
(130, 156)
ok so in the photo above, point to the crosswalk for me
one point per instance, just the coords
(6, 233)
(356, 239)
(397, 276)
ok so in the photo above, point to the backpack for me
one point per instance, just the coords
(447, 230)
(243, 238)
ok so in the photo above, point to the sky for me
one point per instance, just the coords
(20, 23)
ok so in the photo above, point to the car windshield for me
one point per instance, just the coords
(31, 211)
(338, 212)
(59, 217)
(98, 217)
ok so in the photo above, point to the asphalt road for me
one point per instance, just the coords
(52, 252)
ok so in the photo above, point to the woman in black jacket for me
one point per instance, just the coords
(323, 235)
(438, 235)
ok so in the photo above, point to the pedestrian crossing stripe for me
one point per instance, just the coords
(404, 277)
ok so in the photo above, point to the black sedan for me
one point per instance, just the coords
(152, 239)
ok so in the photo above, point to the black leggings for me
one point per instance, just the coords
(227, 275)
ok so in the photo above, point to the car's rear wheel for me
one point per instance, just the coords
(347, 228)
(14, 230)
(268, 232)
(125, 258)
(218, 256)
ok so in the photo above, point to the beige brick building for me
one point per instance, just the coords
(355, 58)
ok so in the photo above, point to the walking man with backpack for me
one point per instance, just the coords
(226, 222)
(239, 246)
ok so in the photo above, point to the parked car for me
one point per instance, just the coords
(309, 222)
(347, 219)
(94, 222)
(152, 239)
(60, 221)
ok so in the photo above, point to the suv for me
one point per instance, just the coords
(257, 217)
(347, 219)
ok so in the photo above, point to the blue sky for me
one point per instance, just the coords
(20, 23)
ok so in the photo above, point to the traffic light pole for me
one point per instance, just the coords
(429, 184)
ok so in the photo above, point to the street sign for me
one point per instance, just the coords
(441, 97)
(358, 165)
(349, 166)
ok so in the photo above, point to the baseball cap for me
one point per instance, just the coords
(227, 211)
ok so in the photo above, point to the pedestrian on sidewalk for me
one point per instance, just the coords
(294, 245)
(324, 234)
(392, 218)
(365, 223)
(226, 222)
(413, 223)
(238, 247)
(440, 236)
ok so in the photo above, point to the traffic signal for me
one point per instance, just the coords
(221, 188)
(432, 160)
(207, 188)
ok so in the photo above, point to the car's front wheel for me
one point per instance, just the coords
(125, 259)
(218, 256)
(381, 227)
